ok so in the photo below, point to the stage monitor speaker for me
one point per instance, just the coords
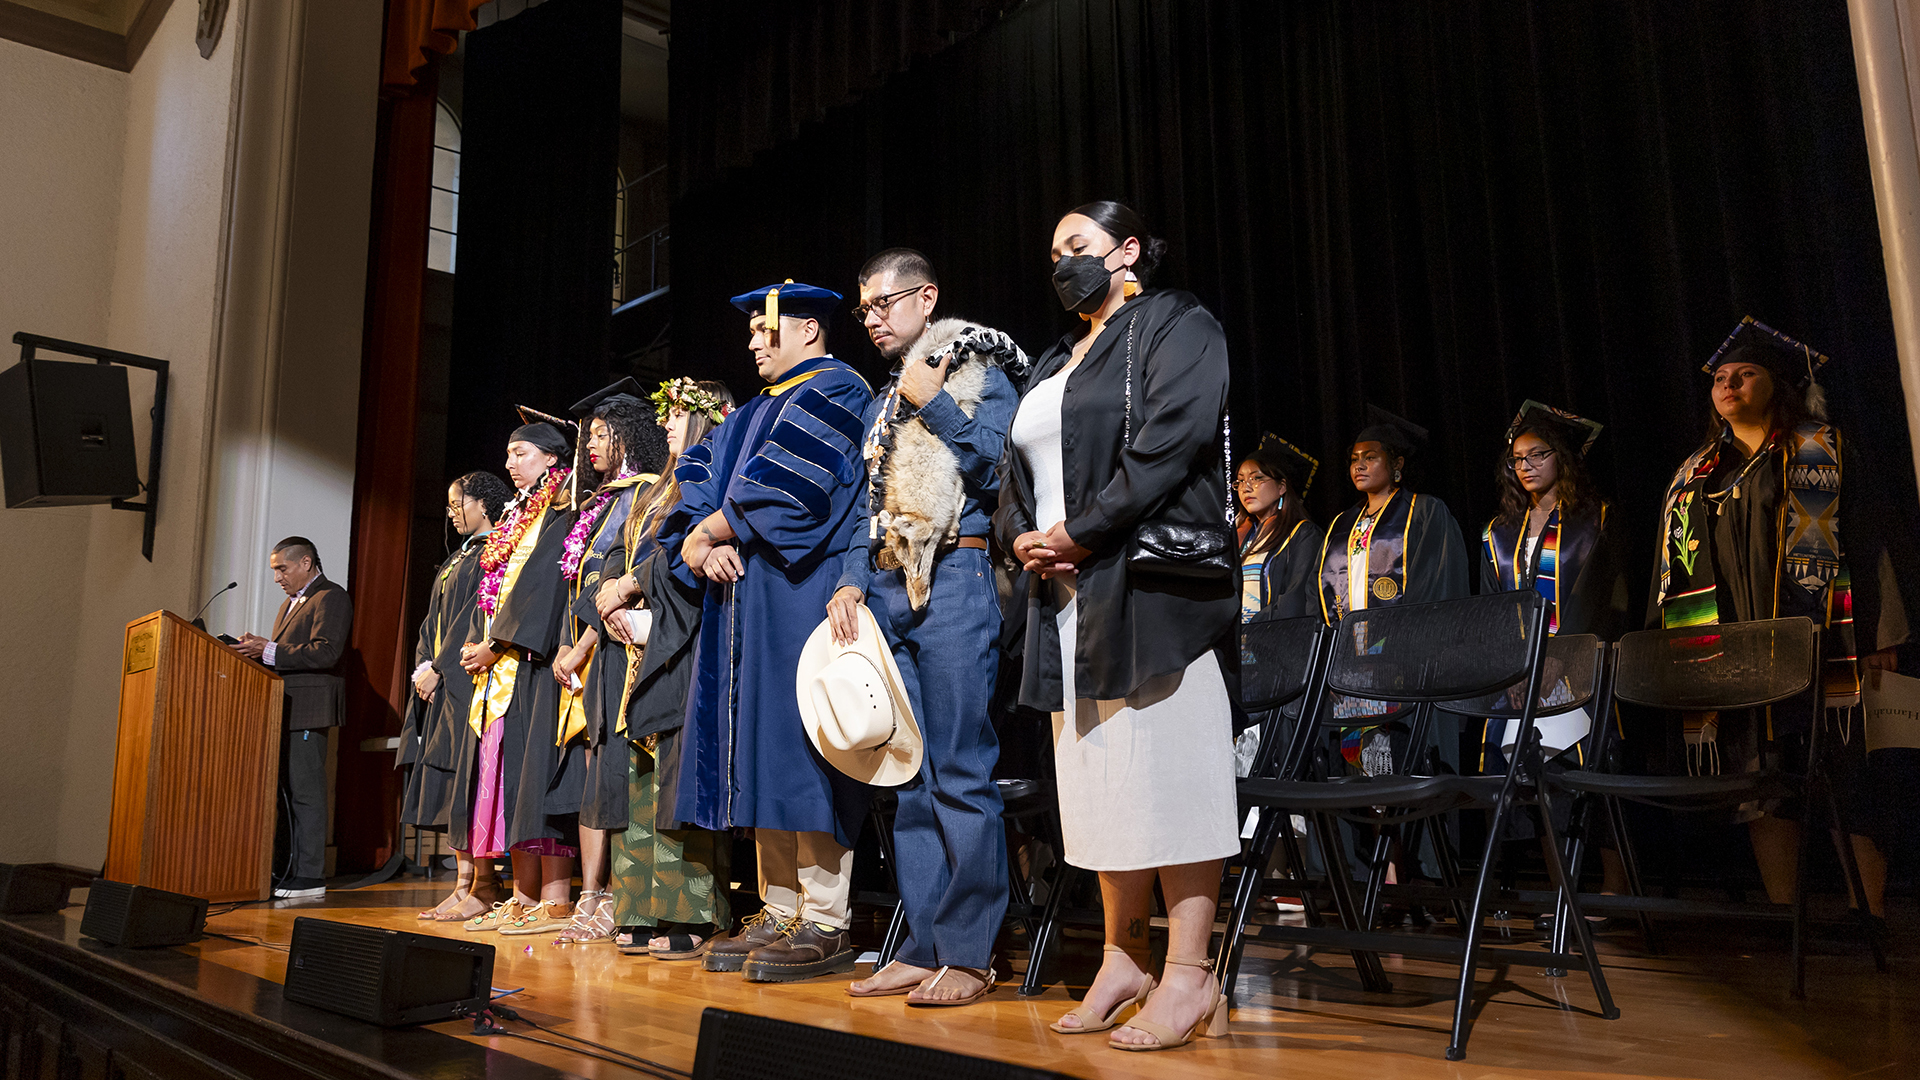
(737, 1046)
(141, 917)
(26, 890)
(66, 434)
(386, 977)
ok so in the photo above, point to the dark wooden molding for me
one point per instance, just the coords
(89, 44)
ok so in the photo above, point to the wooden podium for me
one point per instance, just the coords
(197, 767)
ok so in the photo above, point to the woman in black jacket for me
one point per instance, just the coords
(1119, 426)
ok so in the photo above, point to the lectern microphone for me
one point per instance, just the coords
(198, 622)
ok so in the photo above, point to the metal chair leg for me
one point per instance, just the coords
(1034, 984)
(1575, 917)
(1373, 976)
(1469, 959)
(1233, 940)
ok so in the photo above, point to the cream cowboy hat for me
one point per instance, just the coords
(855, 708)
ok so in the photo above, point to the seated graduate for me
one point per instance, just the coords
(1554, 535)
(670, 878)
(1394, 546)
(625, 450)
(436, 721)
(1279, 541)
(1750, 529)
(510, 772)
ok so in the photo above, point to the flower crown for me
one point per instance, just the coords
(685, 395)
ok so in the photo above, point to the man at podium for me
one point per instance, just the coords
(309, 637)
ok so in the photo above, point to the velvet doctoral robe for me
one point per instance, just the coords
(785, 471)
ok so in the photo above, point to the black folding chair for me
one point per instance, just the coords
(1724, 667)
(1425, 655)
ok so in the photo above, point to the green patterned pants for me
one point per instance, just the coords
(666, 875)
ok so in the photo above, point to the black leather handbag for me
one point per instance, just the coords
(1175, 549)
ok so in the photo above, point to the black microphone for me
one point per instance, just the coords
(198, 622)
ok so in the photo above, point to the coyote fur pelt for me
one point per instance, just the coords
(920, 491)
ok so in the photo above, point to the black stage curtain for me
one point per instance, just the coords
(534, 283)
(1443, 207)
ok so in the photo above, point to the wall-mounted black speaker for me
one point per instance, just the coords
(737, 1046)
(140, 917)
(66, 434)
(25, 890)
(386, 977)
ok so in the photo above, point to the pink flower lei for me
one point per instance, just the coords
(498, 551)
(574, 551)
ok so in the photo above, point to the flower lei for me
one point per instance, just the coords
(685, 395)
(574, 551)
(498, 552)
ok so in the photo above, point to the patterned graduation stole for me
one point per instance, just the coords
(493, 688)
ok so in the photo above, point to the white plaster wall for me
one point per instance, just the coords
(62, 125)
(166, 279)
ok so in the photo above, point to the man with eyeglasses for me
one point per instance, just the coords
(943, 631)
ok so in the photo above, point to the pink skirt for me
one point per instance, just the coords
(489, 837)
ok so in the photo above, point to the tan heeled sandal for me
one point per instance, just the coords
(1213, 1023)
(1091, 1021)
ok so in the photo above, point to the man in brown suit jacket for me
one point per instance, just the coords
(309, 637)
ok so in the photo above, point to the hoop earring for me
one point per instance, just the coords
(1396, 476)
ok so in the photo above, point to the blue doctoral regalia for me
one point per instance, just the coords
(785, 471)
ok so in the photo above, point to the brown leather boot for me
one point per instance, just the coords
(808, 949)
(730, 953)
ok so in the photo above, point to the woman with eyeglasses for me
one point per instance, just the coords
(1279, 543)
(1120, 428)
(1552, 535)
(1751, 529)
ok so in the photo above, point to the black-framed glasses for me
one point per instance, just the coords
(883, 304)
(1534, 461)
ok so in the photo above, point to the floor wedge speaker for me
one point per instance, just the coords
(739, 1046)
(25, 890)
(386, 977)
(140, 917)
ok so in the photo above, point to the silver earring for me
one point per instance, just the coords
(1396, 476)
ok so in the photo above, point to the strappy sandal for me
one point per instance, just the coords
(462, 888)
(1091, 1021)
(638, 941)
(491, 919)
(490, 890)
(987, 984)
(683, 946)
(1213, 1023)
(894, 992)
(592, 923)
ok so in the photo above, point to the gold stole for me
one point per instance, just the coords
(573, 703)
(493, 689)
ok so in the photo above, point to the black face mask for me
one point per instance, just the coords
(1082, 281)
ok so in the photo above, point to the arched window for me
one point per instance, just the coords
(619, 237)
(443, 216)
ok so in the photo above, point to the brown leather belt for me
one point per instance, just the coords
(976, 542)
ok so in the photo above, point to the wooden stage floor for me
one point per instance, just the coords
(1716, 1006)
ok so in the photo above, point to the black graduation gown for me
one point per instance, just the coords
(1591, 579)
(433, 728)
(539, 780)
(603, 802)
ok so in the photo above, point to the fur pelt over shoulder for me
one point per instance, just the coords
(917, 487)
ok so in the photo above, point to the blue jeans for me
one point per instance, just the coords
(949, 843)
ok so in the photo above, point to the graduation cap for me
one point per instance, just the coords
(1578, 431)
(793, 300)
(1295, 464)
(1754, 342)
(1390, 430)
(626, 388)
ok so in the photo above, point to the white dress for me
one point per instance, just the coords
(1146, 781)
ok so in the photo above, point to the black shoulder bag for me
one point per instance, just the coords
(1175, 549)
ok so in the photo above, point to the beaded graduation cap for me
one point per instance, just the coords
(1793, 363)
(1298, 466)
(1578, 431)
